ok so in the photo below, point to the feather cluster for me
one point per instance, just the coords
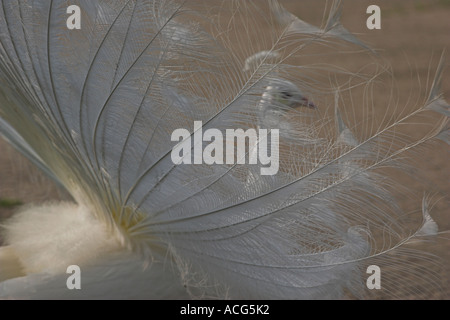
(95, 109)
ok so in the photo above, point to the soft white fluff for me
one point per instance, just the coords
(42, 241)
(50, 237)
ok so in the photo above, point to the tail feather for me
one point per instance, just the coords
(96, 110)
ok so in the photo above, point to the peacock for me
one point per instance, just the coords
(95, 109)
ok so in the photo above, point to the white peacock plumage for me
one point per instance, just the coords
(95, 108)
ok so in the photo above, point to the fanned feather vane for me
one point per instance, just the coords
(96, 110)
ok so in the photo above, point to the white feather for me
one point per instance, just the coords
(96, 108)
